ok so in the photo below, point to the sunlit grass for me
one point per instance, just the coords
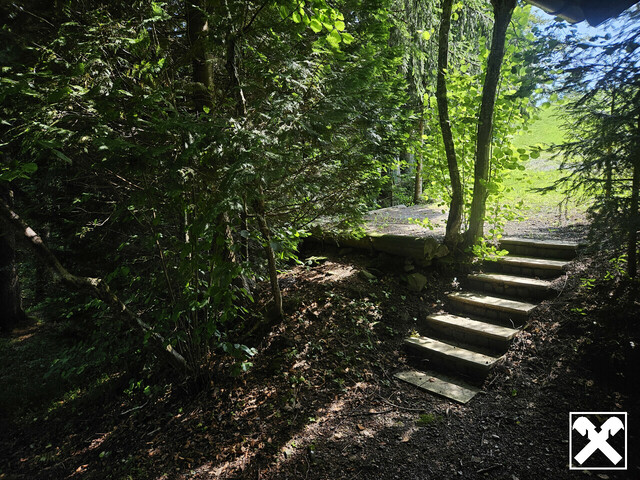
(543, 172)
(547, 130)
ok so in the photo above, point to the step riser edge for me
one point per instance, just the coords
(516, 291)
(449, 363)
(541, 252)
(537, 272)
(507, 319)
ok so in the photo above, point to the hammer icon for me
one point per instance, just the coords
(598, 440)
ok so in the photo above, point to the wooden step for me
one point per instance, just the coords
(440, 384)
(468, 330)
(508, 312)
(529, 266)
(512, 285)
(540, 248)
(452, 357)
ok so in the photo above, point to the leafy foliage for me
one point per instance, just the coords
(103, 142)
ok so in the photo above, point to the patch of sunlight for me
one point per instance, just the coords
(78, 393)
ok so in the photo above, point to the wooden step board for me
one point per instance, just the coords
(497, 308)
(440, 384)
(451, 356)
(468, 330)
(540, 248)
(530, 266)
(512, 285)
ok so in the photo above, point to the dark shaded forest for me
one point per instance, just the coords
(184, 191)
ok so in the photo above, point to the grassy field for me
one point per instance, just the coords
(547, 130)
(522, 185)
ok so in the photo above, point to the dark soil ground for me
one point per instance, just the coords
(321, 401)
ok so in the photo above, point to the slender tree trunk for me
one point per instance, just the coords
(244, 239)
(201, 58)
(502, 12)
(11, 312)
(43, 276)
(417, 190)
(608, 170)
(455, 208)
(632, 250)
(204, 89)
(259, 208)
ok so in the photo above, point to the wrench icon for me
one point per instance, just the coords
(598, 440)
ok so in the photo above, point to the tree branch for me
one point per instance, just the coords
(95, 286)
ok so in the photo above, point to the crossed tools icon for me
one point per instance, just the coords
(598, 440)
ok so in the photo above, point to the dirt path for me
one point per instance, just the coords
(543, 222)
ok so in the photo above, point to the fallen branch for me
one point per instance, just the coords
(135, 408)
(400, 407)
(488, 469)
(364, 414)
(95, 286)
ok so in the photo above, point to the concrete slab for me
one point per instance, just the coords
(439, 384)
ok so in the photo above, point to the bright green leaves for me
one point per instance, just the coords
(319, 17)
(158, 13)
(315, 25)
(334, 39)
(347, 38)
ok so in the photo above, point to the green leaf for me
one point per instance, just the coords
(334, 39)
(315, 25)
(340, 25)
(347, 38)
(157, 9)
(295, 16)
(62, 156)
(29, 167)
(426, 35)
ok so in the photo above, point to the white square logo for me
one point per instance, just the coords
(598, 440)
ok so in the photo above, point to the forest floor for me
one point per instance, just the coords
(321, 401)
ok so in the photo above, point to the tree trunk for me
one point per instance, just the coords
(201, 58)
(95, 286)
(632, 250)
(259, 208)
(11, 312)
(502, 11)
(417, 188)
(43, 276)
(455, 208)
(608, 170)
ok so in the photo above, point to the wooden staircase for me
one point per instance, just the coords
(461, 347)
